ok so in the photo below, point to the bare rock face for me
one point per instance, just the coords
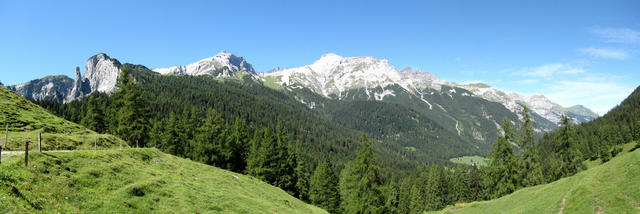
(101, 74)
(46, 88)
(333, 74)
(224, 64)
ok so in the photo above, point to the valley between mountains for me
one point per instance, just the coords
(402, 107)
(339, 135)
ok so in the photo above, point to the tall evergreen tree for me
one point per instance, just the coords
(406, 186)
(360, 183)
(636, 131)
(174, 141)
(134, 110)
(155, 135)
(502, 170)
(530, 169)
(566, 142)
(301, 174)
(273, 162)
(209, 139)
(239, 140)
(475, 184)
(94, 118)
(435, 189)
(459, 185)
(323, 189)
(253, 155)
(527, 134)
(418, 194)
(394, 195)
(286, 166)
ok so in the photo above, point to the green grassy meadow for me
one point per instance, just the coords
(612, 187)
(24, 120)
(469, 160)
(134, 181)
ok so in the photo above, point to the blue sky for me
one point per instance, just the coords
(575, 52)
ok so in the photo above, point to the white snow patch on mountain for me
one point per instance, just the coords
(334, 74)
(224, 64)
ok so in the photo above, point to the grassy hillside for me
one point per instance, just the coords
(26, 119)
(134, 181)
(470, 160)
(611, 187)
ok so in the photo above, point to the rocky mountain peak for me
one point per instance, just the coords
(78, 74)
(538, 103)
(334, 74)
(101, 74)
(223, 64)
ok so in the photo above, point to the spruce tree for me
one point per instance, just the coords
(208, 140)
(459, 185)
(417, 199)
(274, 163)
(263, 162)
(286, 166)
(134, 110)
(174, 141)
(393, 193)
(404, 200)
(253, 155)
(155, 135)
(636, 131)
(239, 140)
(605, 155)
(566, 148)
(323, 189)
(475, 184)
(530, 168)
(527, 134)
(360, 183)
(435, 189)
(94, 118)
(502, 170)
(301, 174)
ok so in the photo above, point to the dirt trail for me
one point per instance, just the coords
(562, 207)
(6, 154)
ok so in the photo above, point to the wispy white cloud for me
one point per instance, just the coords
(600, 94)
(528, 81)
(617, 35)
(606, 53)
(571, 84)
(549, 70)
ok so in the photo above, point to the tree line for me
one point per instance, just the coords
(516, 160)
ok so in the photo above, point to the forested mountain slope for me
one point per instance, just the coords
(620, 125)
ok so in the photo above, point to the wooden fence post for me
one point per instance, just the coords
(26, 153)
(0, 154)
(6, 134)
(40, 141)
(120, 144)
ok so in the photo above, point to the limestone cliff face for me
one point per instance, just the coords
(46, 88)
(101, 74)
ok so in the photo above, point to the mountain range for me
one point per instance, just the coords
(339, 77)
(338, 87)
